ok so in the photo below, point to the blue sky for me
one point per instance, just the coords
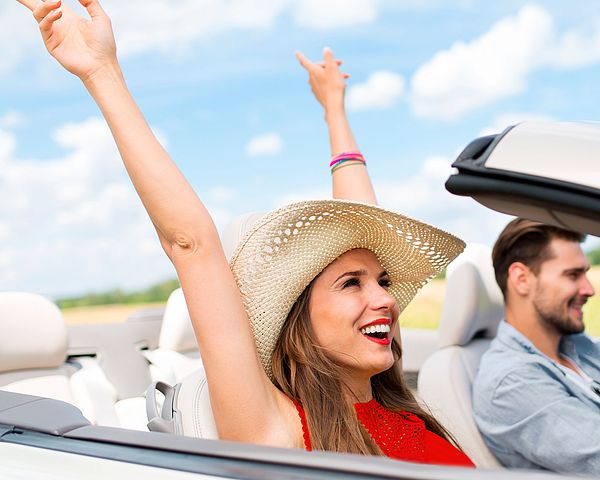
(218, 81)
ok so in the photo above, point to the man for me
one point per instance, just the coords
(536, 396)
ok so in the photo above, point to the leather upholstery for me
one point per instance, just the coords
(473, 307)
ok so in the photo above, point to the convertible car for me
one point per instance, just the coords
(72, 401)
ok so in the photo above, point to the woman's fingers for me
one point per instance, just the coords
(322, 64)
(93, 8)
(48, 20)
(305, 62)
(42, 9)
(328, 59)
(328, 56)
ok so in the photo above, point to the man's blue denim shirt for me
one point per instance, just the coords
(529, 413)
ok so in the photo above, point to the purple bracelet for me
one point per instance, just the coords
(345, 156)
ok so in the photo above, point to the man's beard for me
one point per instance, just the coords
(554, 317)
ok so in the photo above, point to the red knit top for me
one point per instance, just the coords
(401, 436)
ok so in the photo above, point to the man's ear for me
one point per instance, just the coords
(520, 278)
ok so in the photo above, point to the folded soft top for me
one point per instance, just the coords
(546, 171)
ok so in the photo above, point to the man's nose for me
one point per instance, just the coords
(587, 289)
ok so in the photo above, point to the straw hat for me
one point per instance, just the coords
(287, 248)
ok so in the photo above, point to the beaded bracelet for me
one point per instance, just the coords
(347, 163)
(346, 159)
(344, 156)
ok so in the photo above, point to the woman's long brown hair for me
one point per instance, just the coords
(304, 372)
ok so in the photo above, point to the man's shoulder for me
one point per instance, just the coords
(507, 361)
(504, 352)
(499, 361)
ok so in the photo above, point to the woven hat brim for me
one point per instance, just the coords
(287, 248)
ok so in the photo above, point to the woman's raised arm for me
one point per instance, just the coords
(349, 175)
(87, 49)
(246, 405)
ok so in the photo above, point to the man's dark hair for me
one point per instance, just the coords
(527, 242)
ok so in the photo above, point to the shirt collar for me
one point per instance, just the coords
(510, 336)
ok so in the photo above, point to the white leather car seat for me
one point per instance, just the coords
(184, 409)
(473, 307)
(177, 354)
(33, 350)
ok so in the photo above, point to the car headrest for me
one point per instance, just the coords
(33, 333)
(473, 304)
(235, 231)
(176, 332)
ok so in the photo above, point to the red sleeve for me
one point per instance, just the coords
(442, 452)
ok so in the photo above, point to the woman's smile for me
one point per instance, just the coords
(378, 331)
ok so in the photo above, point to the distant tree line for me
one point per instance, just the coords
(155, 293)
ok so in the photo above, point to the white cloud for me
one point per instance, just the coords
(74, 223)
(4, 231)
(264, 145)
(495, 65)
(5, 257)
(576, 48)
(470, 75)
(98, 210)
(171, 28)
(144, 26)
(8, 144)
(381, 90)
(185, 22)
(334, 13)
(12, 119)
(178, 25)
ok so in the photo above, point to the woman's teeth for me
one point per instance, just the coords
(383, 328)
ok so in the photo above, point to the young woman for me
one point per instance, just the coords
(299, 333)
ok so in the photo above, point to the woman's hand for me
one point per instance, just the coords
(81, 46)
(328, 85)
(326, 80)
